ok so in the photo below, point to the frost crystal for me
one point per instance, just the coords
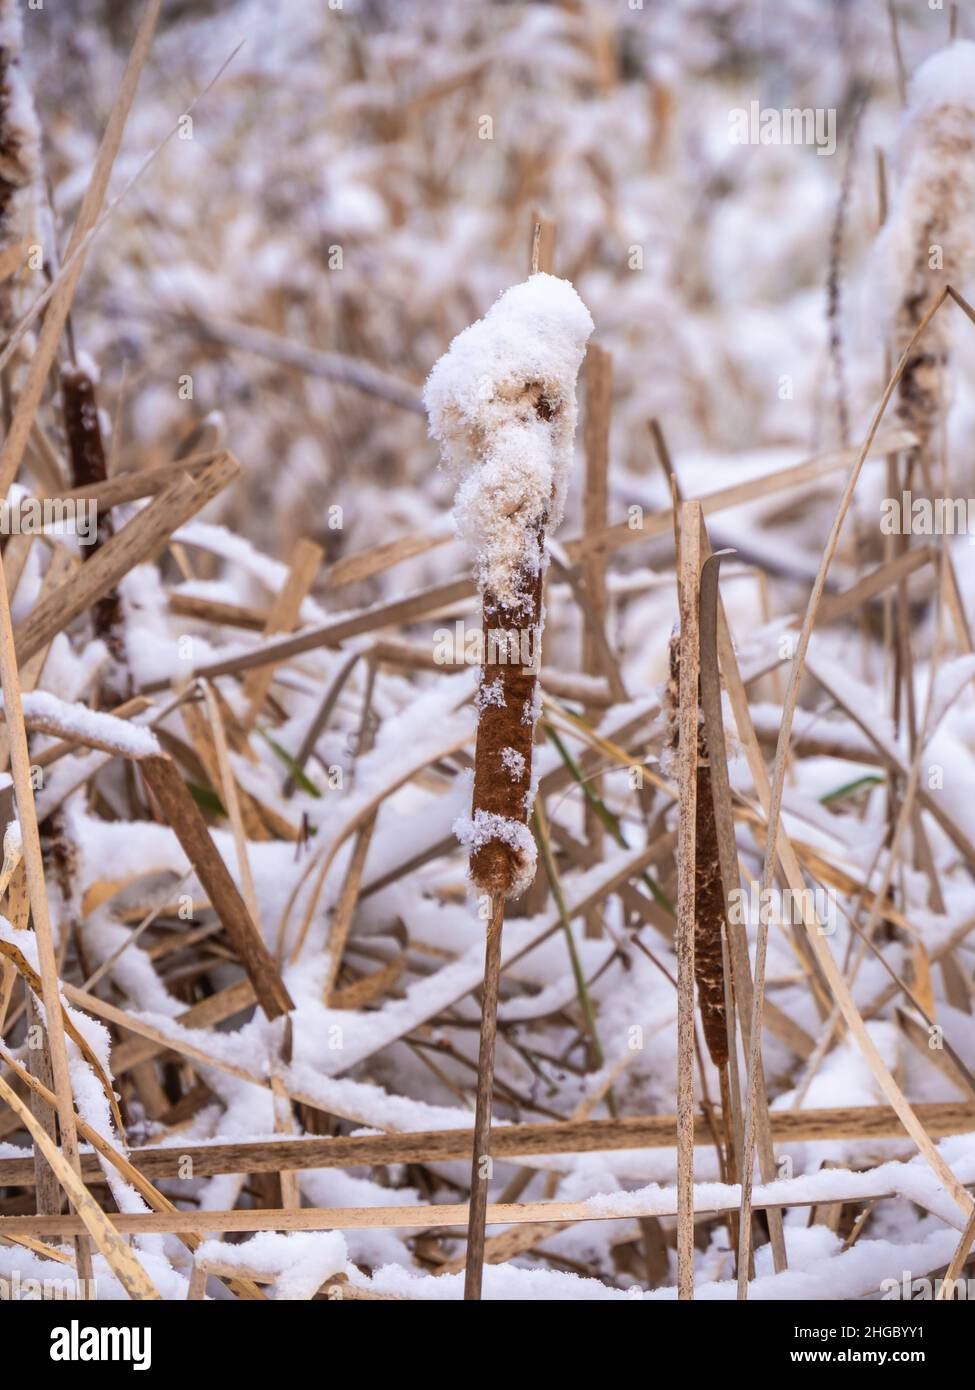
(491, 694)
(513, 763)
(485, 826)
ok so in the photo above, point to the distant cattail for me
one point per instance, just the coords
(19, 141)
(929, 238)
(709, 907)
(86, 452)
(502, 404)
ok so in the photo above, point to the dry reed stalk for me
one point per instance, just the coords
(183, 815)
(39, 1060)
(283, 617)
(329, 366)
(709, 905)
(687, 755)
(227, 784)
(598, 376)
(738, 979)
(510, 1142)
(34, 865)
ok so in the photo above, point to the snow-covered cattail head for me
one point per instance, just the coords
(502, 404)
(929, 238)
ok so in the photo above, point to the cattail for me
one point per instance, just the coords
(502, 405)
(929, 239)
(709, 907)
(19, 142)
(86, 451)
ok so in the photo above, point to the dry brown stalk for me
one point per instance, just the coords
(598, 377)
(34, 863)
(283, 617)
(182, 813)
(509, 1142)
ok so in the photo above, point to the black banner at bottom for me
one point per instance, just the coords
(919, 1333)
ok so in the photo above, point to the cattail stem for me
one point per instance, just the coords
(585, 1001)
(481, 1159)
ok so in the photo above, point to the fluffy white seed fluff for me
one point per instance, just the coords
(502, 405)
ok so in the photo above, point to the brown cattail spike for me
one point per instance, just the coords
(86, 452)
(709, 920)
(507, 697)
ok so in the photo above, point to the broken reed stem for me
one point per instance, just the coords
(542, 252)
(481, 1160)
